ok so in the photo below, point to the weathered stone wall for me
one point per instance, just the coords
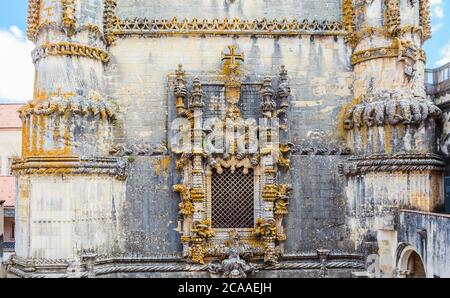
(318, 206)
(434, 246)
(220, 9)
(319, 75)
(61, 218)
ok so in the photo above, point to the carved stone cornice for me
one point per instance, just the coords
(392, 163)
(52, 25)
(69, 165)
(37, 268)
(228, 27)
(33, 17)
(69, 49)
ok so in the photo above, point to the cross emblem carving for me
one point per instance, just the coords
(233, 56)
(48, 10)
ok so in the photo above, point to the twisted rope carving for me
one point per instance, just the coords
(150, 268)
(186, 268)
(404, 163)
(69, 49)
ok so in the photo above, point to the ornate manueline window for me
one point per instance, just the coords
(232, 200)
(230, 185)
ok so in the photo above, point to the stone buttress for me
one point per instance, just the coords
(390, 125)
(68, 182)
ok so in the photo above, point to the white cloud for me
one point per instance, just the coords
(16, 67)
(437, 27)
(437, 9)
(444, 55)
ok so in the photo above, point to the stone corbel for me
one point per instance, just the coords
(233, 266)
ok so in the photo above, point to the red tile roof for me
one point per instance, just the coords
(8, 190)
(9, 118)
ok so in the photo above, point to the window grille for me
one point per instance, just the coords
(232, 201)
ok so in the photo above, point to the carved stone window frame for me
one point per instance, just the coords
(200, 241)
(246, 234)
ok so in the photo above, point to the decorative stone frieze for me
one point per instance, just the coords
(114, 167)
(114, 26)
(227, 27)
(390, 107)
(69, 49)
(398, 49)
(64, 104)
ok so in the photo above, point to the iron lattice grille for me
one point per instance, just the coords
(232, 199)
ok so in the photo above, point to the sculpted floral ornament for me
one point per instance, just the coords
(185, 207)
(265, 228)
(202, 232)
(284, 192)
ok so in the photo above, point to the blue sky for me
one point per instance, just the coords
(16, 70)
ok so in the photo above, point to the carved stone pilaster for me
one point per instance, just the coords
(267, 102)
(34, 7)
(69, 20)
(180, 91)
(425, 19)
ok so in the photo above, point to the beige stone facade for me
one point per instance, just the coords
(103, 191)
